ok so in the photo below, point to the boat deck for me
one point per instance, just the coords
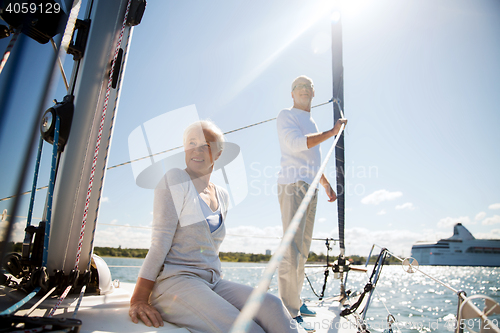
(109, 313)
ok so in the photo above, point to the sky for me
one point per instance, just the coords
(421, 80)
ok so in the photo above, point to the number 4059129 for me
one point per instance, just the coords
(32, 8)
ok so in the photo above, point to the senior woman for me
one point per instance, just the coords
(180, 280)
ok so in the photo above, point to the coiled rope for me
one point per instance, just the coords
(252, 305)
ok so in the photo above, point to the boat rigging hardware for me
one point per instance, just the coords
(369, 287)
(462, 295)
(13, 266)
(327, 272)
(410, 265)
(63, 110)
(117, 68)
(5, 31)
(390, 320)
(46, 324)
(32, 251)
(77, 47)
(137, 8)
(40, 20)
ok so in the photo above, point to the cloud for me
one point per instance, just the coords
(379, 196)
(407, 205)
(17, 234)
(494, 206)
(321, 220)
(126, 237)
(105, 199)
(360, 240)
(449, 222)
(493, 234)
(382, 212)
(252, 239)
(480, 216)
(492, 220)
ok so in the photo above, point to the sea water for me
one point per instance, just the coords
(418, 303)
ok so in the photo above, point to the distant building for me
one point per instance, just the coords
(268, 252)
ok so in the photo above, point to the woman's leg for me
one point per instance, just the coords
(190, 302)
(272, 315)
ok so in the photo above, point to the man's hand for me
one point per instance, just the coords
(147, 313)
(338, 124)
(330, 193)
(328, 188)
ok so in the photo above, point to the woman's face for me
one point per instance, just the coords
(201, 151)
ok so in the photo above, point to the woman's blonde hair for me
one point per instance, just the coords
(209, 125)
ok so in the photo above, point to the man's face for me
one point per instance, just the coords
(303, 92)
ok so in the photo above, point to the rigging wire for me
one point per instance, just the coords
(61, 68)
(228, 132)
(172, 149)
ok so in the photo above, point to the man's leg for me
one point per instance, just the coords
(307, 238)
(290, 273)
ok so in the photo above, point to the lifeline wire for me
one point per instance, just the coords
(96, 153)
(256, 297)
(228, 132)
(61, 68)
(171, 149)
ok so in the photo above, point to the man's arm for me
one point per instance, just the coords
(315, 139)
(328, 188)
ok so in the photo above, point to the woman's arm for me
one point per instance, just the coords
(140, 307)
(165, 219)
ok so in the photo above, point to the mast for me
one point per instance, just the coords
(338, 107)
(88, 85)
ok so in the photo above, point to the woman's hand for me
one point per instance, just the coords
(140, 307)
(146, 312)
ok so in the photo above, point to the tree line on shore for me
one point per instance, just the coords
(224, 256)
(236, 256)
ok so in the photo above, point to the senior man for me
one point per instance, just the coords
(299, 140)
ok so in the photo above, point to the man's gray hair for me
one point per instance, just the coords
(209, 125)
(303, 77)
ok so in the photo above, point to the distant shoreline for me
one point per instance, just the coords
(234, 256)
(112, 252)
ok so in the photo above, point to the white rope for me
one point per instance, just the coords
(251, 307)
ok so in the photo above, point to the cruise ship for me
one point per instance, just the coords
(461, 249)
